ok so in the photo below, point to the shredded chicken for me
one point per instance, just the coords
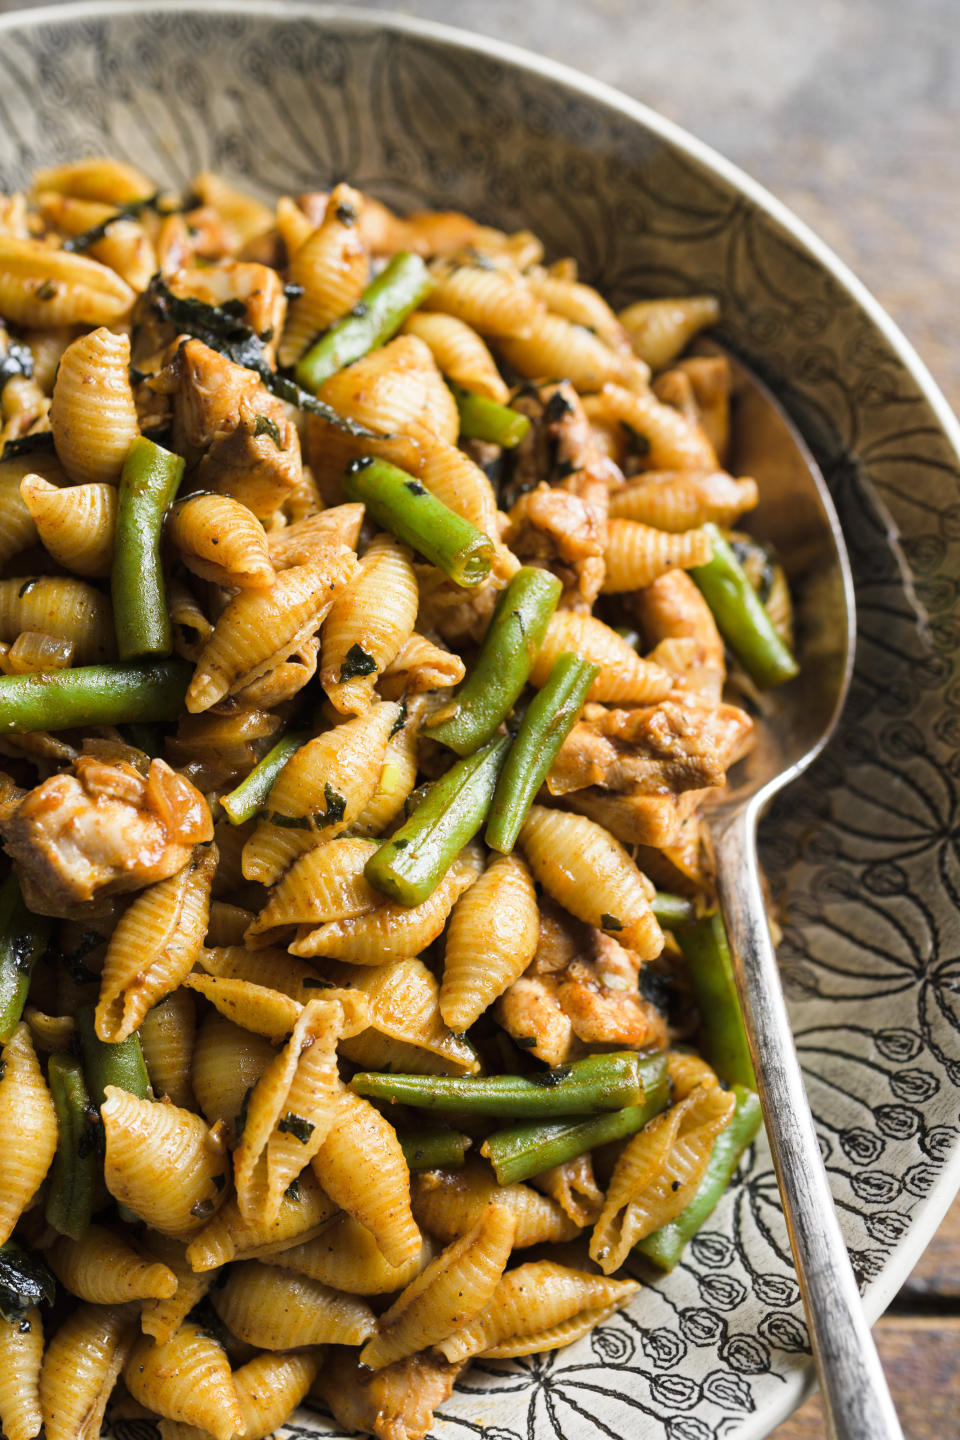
(563, 478)
(665, 748)
(257, 287)
(235, 435)
(395, 1403)
(579, 989)
(105, 829)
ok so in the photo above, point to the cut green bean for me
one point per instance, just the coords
(411, 864)
(672, 910)
(23, 939)
(741, 618)
(93, 695)
(381, 310)
(427, 1149)
(549, 718)
(399, 503)
(599, 1082)
(104, 1064)
(519, 1151)
(74, 1173)
(148, 483)
(502, 668)
(665, 1246)
(710, 968)
(485, 419)
(251, 794)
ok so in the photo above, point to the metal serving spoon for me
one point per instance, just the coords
(796, 514)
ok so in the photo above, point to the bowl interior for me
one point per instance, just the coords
(863, 851)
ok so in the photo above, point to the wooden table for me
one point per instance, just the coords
(849, 110)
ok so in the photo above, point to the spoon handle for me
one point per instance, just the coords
(854, 1389)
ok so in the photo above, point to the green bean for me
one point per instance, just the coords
(411, 864)
(741, 618)
(104, 1064)
(665, 1246)
(93, 695)
(426, 1149)
(672, 910)
(484, 419)
(148, 483)
(251, 794)
(549, 718)
(519, 1151)
(599, 1082)
(74, 1173)
(382, 309)
(502, 668)
(23, 939)
(400, 504)
(710, 968)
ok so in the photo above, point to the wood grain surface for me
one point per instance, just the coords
(849, 111)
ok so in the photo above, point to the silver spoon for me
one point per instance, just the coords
(797, 515)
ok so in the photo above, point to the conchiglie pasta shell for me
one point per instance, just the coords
(75, 525)
(260, 628)
(658, 1173)
(102, 1268)
(448, 1202)
(28, 1123)
(271, 967)
(404, 1006)
(491, 939)
(531, 1301)
(221, 540)
(344, 763)
(59, 606)
(623, 674)
(574, 1187)
(678, 500)
(556, 346)
(162, 1318)
(398, 774)
(227, 1062)
(392, 930)
(18, 530)
(493, 302)
(98, 177)
(687, 1072)
(636, 555)
(93, 415)
(672, 441)
(591, 875)
(580, 304)
(167, 1038)
(369, 622)
(42, 286)
(191, 627)
(400, 1400)
(660, 329)
(229, 1237)
(187, 1378)
(155, 945)
(447, 1295)
(270, 1387)
(308, 539)
(452, 477)
(396, 390)
(362, 1168)
(301, 1082)
(21, 1352)
(81, 1366)
(459, 352)
(162, 1162)
(293, 225)
(418, 666)
(346, 1257)
(281, 684)
(244, 216)
(252, 1007)
(278, 1309)
(325, 884)
(331, 265)
(124, 247)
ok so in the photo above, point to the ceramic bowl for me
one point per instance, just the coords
(863, 852)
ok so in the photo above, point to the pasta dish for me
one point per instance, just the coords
(374, 625)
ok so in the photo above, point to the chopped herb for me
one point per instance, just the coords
(639, 443)
(360, 309)
(292, 1191)
(336, 807)
(17, 361)
(293, 292)
(221, 328)
(610, 922)
(203, 1209)
(219, 1181)
(400, 844)
(674, 1186)
(27, 444)
(564, 468)
(357, 662)
(46, 291)
(265, 426)
(297, 1126)
(347, 214)
(401, 719)
(86, 238)
(526, 1042)
(72, 962)
(26, 587)
(549, 1078)
(313, 982)
(25, 1281)
(556, 407)
(240, 1123)
(137, 376)
(415, 487)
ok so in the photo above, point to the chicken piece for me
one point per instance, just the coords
(258, 288)
(686, 866)
(579, 989)
(672, 608)
(559, 482)
(77, 839)
(395, 1403)
(235, 435)
(665, 748)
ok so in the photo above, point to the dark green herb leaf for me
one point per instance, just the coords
(240, 1123)
(265, 426)
(25, 1281)
(526, 1042)
(313, 982)
(357, 662)
(610, 922)
(28, 445)
(549, 1078)
(401, 719)
(78, 243)
(297, 1126)
(46, 291)
(336, 807)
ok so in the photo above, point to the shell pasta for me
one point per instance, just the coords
(361, 690)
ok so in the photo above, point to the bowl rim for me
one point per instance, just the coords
(878, 1294)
